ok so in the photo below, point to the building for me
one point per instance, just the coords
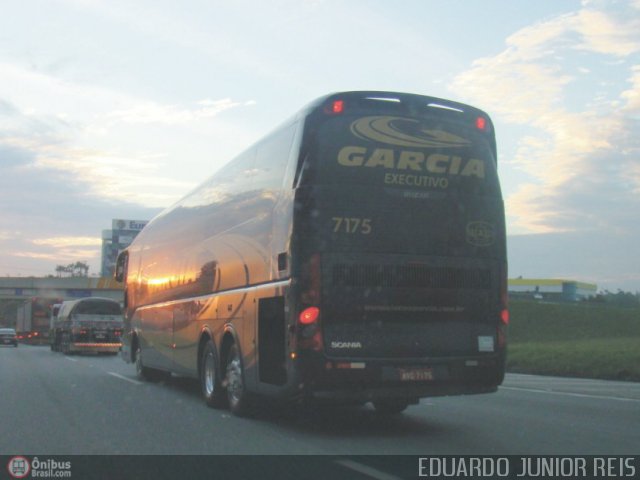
(551, 289)
(118, 238)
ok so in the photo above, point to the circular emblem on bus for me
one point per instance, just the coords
(480, 234)
(404, 132)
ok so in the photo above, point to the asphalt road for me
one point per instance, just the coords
(58, 405)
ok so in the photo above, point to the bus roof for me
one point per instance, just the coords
(401, 104)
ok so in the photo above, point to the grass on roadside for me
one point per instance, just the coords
(580, 340)
(607, 358)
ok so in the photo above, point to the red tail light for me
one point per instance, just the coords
(309, 316)
(504, 312)
(504, 316)
(309, 331)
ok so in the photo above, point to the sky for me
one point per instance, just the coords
(116, 109)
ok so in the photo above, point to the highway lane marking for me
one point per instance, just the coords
(122, 377)
(570, 394)
(71, 359)
(366, 470)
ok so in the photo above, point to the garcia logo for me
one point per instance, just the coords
(18, 467)
(410, 134)
(353, 156)
(404, 132)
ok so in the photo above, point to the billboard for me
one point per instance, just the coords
(118, 238)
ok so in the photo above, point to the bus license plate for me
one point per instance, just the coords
(415, 374)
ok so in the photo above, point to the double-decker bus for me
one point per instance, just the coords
(355, 254)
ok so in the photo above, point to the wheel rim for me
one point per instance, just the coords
(209, 374)
(235, 388)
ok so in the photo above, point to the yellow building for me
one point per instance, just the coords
(551, 289)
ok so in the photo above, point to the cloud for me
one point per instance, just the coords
(61, 255)
(608, 34)
(580, 156)
(37, 199)
(149, 112)
(69, 241)
(631, 96)
(116, 146)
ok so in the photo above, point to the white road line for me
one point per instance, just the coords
(121, 377)
(364, 469)
(71, 359)
(570, 394)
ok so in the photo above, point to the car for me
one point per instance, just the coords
(8, 336)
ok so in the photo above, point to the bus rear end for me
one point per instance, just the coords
(399, 250)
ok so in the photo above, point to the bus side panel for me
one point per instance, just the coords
(155, 335)
(190, 318)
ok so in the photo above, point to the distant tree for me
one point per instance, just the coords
(80, 269)
(620, 298)
(77, 269)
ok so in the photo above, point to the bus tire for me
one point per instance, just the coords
(391, 406)
(147, 373)
(210, 384)
(66, 348)
(239, 401)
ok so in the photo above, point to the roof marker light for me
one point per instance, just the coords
(481, 123)
(445, 107)
(337, 106)
(384, 99)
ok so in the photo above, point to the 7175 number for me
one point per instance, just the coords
(352, 225)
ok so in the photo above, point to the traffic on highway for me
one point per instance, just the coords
(90, 404)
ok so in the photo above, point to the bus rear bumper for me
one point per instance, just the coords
(370, 380)
(413, 393)
(83, 347)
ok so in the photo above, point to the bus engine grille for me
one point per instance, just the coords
(410, 276)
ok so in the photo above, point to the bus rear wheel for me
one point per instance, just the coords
(210, 383)
(239, 401)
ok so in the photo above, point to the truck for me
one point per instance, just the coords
(32, 320)
(91, 324)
